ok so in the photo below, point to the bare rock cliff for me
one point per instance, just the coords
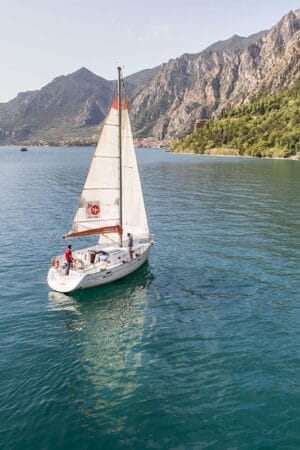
(202, 85)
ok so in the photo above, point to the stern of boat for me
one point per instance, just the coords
(60, 282)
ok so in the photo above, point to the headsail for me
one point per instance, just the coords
(99, 202)
(99, 208)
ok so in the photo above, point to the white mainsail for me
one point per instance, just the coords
(99, 208)
(134, 215)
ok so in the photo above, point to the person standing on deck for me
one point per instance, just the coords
(130, 244)
(68, 258)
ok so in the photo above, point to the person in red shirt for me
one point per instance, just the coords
(68, 258)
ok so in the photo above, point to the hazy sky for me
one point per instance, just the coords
(42, 39)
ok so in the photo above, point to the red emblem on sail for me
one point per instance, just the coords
(93, 210)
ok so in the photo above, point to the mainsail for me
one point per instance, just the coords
(134, 214)
(99, 208)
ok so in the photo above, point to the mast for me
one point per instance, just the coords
(120, 146)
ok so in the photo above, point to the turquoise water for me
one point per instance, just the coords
(199, 349)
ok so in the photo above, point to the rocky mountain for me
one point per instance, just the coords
(69, 109)
(220, 77)
(164, 101)
(75, 101)
(136, 82)
(234, 43)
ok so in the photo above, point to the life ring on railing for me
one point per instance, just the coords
(55, 263)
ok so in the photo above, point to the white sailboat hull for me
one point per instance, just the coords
(85, 274)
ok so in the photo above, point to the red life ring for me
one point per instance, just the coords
(55, 263)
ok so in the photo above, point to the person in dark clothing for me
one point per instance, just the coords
(130, 244)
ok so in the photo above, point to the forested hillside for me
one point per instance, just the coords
(270, 126)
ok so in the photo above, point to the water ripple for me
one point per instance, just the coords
(198, 349)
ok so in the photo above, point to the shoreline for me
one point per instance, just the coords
(291, 158)
(167, 149)
(234, 154)
(223, 155)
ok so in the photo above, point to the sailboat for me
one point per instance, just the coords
(111, 207)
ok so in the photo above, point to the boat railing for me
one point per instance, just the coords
(97, 254)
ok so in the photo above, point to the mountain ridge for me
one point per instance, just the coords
(208, 83)
(235, 42)
(164, 101)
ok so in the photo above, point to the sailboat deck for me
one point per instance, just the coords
(106, 265)
(98, 258)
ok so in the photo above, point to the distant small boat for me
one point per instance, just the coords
(24, 149)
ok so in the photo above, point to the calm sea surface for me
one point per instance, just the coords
(199, 349)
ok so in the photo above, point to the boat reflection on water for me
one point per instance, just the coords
(110, 323)
(61, 302)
